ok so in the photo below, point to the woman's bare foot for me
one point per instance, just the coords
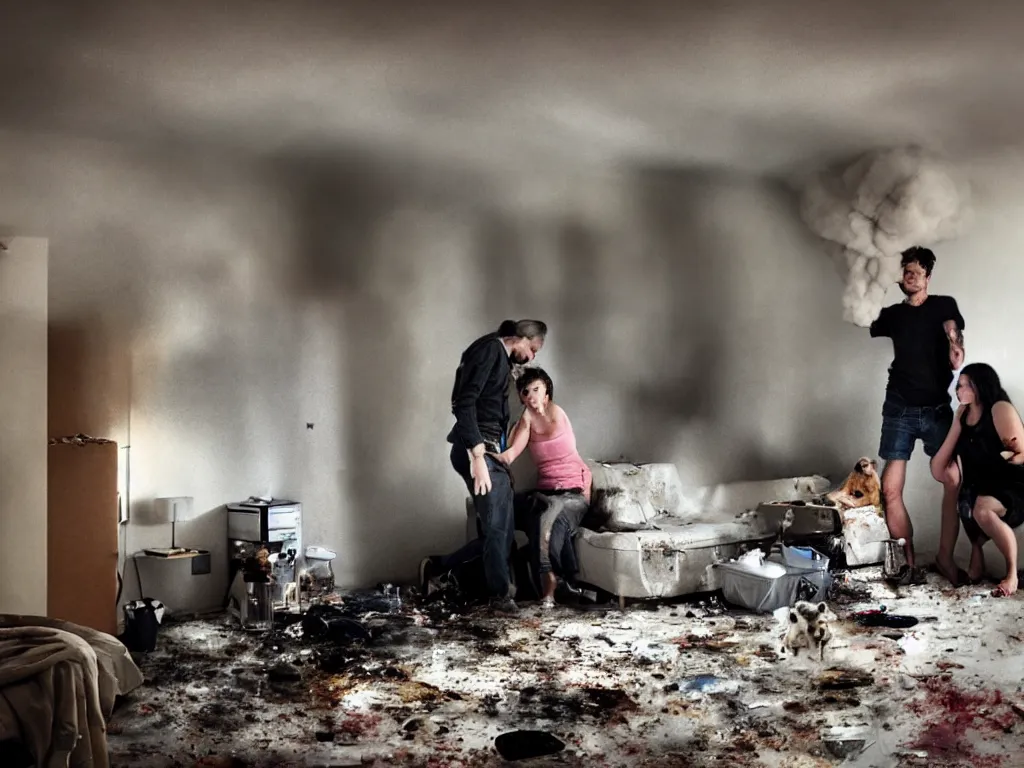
(976, 569)
(947, 569)
(1007, 586)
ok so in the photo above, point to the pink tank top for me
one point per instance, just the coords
(559, 465)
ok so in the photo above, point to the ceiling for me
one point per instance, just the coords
(756, 86)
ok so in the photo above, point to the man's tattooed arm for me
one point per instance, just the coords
(955, 335)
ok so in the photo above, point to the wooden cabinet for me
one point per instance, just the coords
(81, 533)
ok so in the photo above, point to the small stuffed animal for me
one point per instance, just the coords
(809, 628)
(861, 488)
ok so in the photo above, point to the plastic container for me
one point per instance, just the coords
(805, 557)
(257, 613)
(755, 592)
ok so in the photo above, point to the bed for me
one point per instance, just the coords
(58, 685)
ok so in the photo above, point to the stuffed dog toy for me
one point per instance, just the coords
(861, 488)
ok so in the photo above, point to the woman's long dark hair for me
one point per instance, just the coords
(986, 384)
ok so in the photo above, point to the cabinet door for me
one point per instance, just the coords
(82, 535)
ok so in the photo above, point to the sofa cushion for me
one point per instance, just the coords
(627, 497)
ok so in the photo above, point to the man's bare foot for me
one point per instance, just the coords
(1007, 586)
(976, 569)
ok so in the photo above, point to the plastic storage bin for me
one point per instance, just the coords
(763, 594)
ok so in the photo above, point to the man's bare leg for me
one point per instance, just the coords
(894, 477)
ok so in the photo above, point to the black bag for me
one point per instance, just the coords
(141, 623)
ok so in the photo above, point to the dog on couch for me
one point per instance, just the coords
(861, 488)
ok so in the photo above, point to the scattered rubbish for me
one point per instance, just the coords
(709, 684)
(430, 685)
(846, 591)
(702, 683)
(393, 596)
(844, 742)
(327, 622)
(316, 581)
(838, 679)
(283, 672)
(882, 618)
(523, 745)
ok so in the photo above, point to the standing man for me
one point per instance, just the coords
(928, 346)
(480, 406)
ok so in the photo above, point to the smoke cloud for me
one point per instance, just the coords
(873, 210)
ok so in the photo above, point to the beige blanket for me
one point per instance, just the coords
(59, 682)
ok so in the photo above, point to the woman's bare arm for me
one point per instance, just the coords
(519, 440)
(947, 451)
(1010, 429)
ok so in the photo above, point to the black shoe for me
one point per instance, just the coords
(430, 571)
(504, 605)
(908, 577)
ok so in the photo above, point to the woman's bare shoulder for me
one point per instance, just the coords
(1004, 410)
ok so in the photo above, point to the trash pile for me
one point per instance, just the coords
(380, 678)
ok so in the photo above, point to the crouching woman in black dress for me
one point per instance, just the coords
(987, 436)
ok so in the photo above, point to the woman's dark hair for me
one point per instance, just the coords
(986, 384)
(530, 375)
(524, 329)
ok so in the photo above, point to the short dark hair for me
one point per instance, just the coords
(986, 384)
(922, 256)
(524, 329)
(532, 374)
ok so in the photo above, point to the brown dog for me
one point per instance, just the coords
(861, 488)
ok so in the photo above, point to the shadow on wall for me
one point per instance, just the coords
(641, 322)
(376, 243)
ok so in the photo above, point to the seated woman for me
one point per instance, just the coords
(987, 436)
(563, 478)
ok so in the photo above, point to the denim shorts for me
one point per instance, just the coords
(903, 425)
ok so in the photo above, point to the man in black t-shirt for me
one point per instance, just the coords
(928, 346)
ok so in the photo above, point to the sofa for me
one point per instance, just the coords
(648, 536)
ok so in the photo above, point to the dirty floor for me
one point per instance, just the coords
(686, 684)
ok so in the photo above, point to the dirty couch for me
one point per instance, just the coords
(658, 539)
(648, 536)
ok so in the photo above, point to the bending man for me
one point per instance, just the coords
(480, 406)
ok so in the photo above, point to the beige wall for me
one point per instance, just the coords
(226, 305)
(23, 299)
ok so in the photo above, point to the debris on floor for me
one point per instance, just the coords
(372, 680)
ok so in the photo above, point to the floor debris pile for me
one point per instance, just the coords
(375, 681)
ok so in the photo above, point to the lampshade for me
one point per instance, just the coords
(173, 509)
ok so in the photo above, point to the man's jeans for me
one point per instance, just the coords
(496, 518)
